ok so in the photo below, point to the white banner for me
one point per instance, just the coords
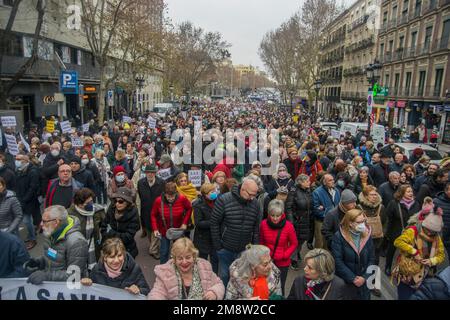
(335, 134)
(66, 127)
(77, 142)
(19, 289)
(164, 173)
(25, 143)
(151, 122)
(13, 148)
(9, 121)
(86, 127)
(195, 176)
(126, 119)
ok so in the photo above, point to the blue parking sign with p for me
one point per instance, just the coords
(69, 82)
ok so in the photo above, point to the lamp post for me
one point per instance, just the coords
(373, 75)
(317, 87)
(140, 84)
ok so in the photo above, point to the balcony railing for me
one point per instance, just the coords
(445, 2)
(440, 44)
(424, 91)
(409, 52)
(392, 24)
(398, 55)
(416, 14)
(384, 27)
(359, 22)
(404, 19)
(430, 7)
(424, 48)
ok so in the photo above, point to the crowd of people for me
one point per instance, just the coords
(236, 233)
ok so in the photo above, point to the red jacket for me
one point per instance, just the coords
(315, 169)
(286, 245)
(225, 166)
(181, 213)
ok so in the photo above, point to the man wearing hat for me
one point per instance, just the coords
(333, 219)
(80, 173)
(380, 172)
(149, 188)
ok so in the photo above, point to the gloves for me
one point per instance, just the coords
(37, 277)
(33, 265)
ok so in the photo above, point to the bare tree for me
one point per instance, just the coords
(6, 36)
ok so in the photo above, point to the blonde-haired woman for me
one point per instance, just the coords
(319, 281)
(219, 180)
(186, 276)
(253, 276)
(185, 187)
(353, 251)
(117, 268)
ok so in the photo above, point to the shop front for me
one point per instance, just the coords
(445, 125)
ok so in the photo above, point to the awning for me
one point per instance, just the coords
(401, 104)
(390, 104)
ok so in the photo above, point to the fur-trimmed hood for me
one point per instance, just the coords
(366, 203)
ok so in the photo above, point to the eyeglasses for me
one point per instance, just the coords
(120, 201)
(251, 196)
(47, 221)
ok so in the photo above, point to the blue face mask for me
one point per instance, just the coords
(120, 179)
(341, 183)
(213, 196)
(89, 206)
(18, 164)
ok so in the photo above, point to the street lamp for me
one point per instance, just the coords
(373, 71)
(317, 87)
(140, 84)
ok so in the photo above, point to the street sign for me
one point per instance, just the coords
(69, 82)
(110, 98)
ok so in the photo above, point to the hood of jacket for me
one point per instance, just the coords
(365, 202)
(128, 214)
(73, 225)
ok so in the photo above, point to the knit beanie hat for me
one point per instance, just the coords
(433, 222)
(347, 196)
(290, 150)
(118, 169)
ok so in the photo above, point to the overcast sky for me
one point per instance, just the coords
(242, 23)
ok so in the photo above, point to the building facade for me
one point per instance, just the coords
(414, 48)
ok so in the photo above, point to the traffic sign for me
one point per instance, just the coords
(69, 82)
(110, 98)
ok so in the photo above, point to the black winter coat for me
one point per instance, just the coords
(85, 177)
(394, 225)
(9, 176)
(386, 191)
(28, 188)
(380, 173)
(131, 274)
(338, 290)
(276, 183)
(443, 202)
(49, 170)
(435, 288)
(148, 196)
(350, 263)
(235, 222)
(430, 188)
(298, 211)
(331, 224)
(125, 228)
(356, 185)
(202, 217)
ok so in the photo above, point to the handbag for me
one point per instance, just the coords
(376, 225)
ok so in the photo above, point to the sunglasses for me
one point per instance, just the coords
(120, 201)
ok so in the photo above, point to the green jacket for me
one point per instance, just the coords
(238, 172)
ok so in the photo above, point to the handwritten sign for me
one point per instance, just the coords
(50, 126)
(9, 121)
(86, 127)
(164, 174)
(195, 176)
(66, 127)
(13, 148)
(151, 122)
(126, 119)
(77, 142)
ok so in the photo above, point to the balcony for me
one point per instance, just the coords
(404, 19)
(430, 7)
(440, 44)
(445, 2)
(409, 53)
(354, 71)
(398, 55)
(424, 48)
(359, 22)
(416, 14)
(388, 57)
(384, 27)
(392, 24)
(360, 45)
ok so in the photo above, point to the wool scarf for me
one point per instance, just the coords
(408, 203)
(113, 273)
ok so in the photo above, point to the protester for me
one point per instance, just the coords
(319, 281)
(64, 247)
(186, 276)
(279, 236)
(443, 201)
(185, 187)
(119, 180)
(117, 268)
(122, 220)
(62, 190)
(11, 213)
(253, 276)
(7, 173)
(435, 288)
(362, 180)
(13, 256)
(353, 251)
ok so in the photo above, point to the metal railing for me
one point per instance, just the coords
(404, 19)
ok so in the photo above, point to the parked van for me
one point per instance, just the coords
(377, 132)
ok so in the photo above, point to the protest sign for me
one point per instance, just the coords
(126, 119)
(151, 122)
(13, 147)
(86, 127)
(164, 174)
(50, 126)
(195, 176)
(65, 127)
(335, 134)
(19, 289)
(77, 142)
(9, 121)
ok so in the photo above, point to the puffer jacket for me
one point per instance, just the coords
(71, 250)
(131, 274)
(125, 228)
(394, 224)
(443, 202)
(235, 222)
(435, 288)
(175, 214)
(298, 210)
(351, 262)
(166, 283)
(202, 217)
(11, 214)
(429, 188)
(286, 244)
(84, 177)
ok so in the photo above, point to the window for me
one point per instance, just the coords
(428, 34)
(385, 14)
(382, 49)
(396, 82)
(407, 83)
(445, 34)
(422, 75)
(386, 80)
(413, 39)
(438, 82)
(45, 49)
(394, 13)
(401, 41)
(14, 46)
(391, 46)
(9, 3)
(418, 7)
(405, 7)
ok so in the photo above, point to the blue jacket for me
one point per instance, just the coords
(367, 159)
(321, 197)
(436, 288)
(13, 255)
(351, 263)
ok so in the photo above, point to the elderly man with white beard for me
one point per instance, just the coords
(65, 248)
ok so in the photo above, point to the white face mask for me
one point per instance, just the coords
(85, 161)
(55, 153)
(360, 227)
